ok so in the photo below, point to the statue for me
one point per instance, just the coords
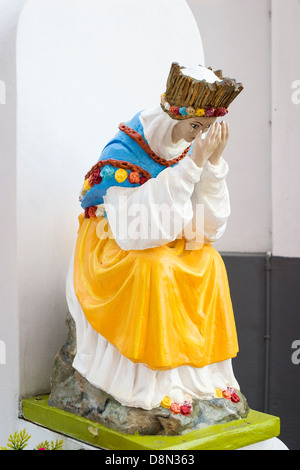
(151, 319)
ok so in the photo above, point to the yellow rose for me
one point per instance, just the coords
(166, 402)
(200, 112)
(86, 185)
(121, 175)
(219, 393)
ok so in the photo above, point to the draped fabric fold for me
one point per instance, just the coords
(164, 307)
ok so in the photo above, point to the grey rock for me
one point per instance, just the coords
(71, 392)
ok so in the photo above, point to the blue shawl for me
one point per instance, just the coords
(124, 151)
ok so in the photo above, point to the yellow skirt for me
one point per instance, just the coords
(164, 307)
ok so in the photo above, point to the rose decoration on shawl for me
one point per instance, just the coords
(107, 172)
(90, 212)
(143, 180)
(134, 177)
(86, 185)
(95, 178)
(121, 175)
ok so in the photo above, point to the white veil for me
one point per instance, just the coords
(158, 125)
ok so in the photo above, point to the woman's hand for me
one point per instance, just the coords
(204, 148)
(217, 154)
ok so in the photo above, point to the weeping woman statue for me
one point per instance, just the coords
(147, 292)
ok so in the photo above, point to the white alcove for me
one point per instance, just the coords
(83, 66)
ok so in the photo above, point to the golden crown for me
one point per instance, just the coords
(186, 97)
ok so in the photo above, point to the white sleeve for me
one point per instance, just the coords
(211, 193)
(156, 212)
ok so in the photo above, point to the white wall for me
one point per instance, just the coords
(258, 41)
(236, 37)
(286, 127)
(9, 333)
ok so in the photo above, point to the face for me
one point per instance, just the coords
(188, 129)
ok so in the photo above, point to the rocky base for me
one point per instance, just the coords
(73, 393)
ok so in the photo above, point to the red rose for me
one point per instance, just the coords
(143, 180)
(92, 211)
(221, 112)
(235, 398)
(187, 403)
(210, 111)
(174, 110)
(95, 178)
(86, 213)
(185, 410)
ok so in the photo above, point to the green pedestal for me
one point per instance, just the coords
(233, 435)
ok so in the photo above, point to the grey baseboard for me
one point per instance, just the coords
(265, 293)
